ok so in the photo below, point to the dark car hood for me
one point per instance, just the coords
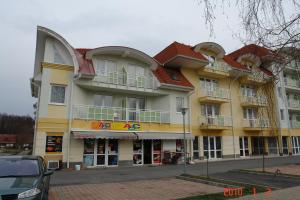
(13, 185)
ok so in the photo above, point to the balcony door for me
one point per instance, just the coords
(210, 111)
(250, 114)
(208, 84)
(135, 104)
(248, 91)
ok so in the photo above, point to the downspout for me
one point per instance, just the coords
(231, 112)
(70, 121)
(190, 118)
(36, 117)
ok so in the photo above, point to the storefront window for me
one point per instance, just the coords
(54, 144)
(88, 154)
(212, 147)
(138, 152)
(157, 151)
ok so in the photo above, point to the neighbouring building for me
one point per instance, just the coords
(108, 106)
(288, 92)
(8, 140)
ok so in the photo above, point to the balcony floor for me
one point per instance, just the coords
(208, 99)
(213, 73)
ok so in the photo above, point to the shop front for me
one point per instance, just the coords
(109, 144)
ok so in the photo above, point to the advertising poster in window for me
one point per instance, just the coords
(54, 144)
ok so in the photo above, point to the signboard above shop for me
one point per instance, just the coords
(117, 126)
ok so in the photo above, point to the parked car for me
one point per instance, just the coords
(24, 177)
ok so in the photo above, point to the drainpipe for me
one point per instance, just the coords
(189, 119)
(231, 112)
(36, 117)
(70, 119)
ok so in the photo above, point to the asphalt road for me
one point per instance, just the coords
(121, 174)
(259, 179)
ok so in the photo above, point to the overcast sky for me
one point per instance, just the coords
(145, 25)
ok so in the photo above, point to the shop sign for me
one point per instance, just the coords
(120, 126)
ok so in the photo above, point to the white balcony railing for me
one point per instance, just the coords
(218, 66)
(289, 82)
(294, 103)
(256, 123)
(125, 79)
(215, 92)
(257, 75)
(256, 100)
(91, 112)
(295, 124)
(217, 120)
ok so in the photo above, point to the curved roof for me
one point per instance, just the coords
(211, 46)
(124, 52)
(62, 40)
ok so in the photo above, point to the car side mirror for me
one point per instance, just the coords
(48, 172)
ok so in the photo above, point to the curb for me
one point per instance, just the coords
(267, 173)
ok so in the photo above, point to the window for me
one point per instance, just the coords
(103, 100)
(208, 84)
(18, 167)
(296, 144)
(105, 67)
(179, 103)
(244, 149)
(248, 91)
(196, 148)
(54, 144)
(281, 114)
(279, 92)
(212, 147)
(58, 94)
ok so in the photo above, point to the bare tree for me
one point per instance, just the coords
(274, 24)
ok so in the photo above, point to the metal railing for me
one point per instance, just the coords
(291, 82)
(292, 65)
(215, 92)
(218, 66)
(126, 79)
(295, 124)
(294, 103)
(257, 100)
(257, 75)
(256, 123)
(91, 112)
(217, 120)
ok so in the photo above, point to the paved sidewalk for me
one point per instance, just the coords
(284, 194)
(163, 189)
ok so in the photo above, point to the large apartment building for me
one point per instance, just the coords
(288, 101)
(115, 105)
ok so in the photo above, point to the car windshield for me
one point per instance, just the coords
(18, 167)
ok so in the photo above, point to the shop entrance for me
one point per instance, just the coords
(257, 145)
(147, 151)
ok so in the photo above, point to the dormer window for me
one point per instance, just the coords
(173, 74)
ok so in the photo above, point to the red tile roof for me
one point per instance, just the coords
(259, 51)
(178, 49)
(164, 77)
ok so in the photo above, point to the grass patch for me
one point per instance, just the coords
(247, 189)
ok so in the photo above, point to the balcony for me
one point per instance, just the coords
(256, 124)
(215, 70)
(91, 112)
(293, 104)
(256, 77)
(253, 101)
(292, 67)
(215, 122)
(122, 81)
(292, 84)
(215, 95)
(295, 124)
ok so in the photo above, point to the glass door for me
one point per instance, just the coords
(296, 144)
(112, 152)
(138, 152)
(212, 147)
(196, 148)
(273, 149)
(285, 145)
(244, 147)
(88, 152)
(101, 151)
(156, 151)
